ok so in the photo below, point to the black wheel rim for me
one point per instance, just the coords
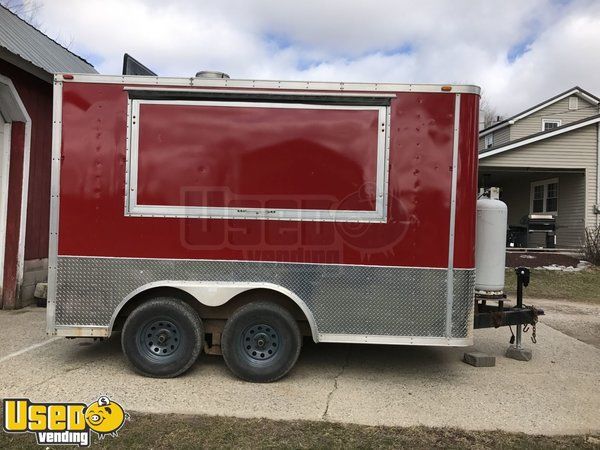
(260, 342)
(159, 338)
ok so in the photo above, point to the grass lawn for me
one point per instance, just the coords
(172, 431)
(583, 286)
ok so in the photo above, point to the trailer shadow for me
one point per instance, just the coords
(381, 358)
(355, 360)
(105, 353)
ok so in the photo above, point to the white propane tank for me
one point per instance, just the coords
(490, 246)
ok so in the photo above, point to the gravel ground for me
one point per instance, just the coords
(555, 393)
(578, 320)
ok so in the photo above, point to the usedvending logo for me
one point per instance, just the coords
(64, 423)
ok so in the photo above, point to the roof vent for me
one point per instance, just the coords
(211, 74)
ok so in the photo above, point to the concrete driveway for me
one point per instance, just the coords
(555, 393)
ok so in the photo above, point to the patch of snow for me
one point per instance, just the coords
(581, 266)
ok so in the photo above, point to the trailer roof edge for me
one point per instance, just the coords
(270, 84)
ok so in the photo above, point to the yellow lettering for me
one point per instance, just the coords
(37, 417)
(15, 415)
(21, 415)
(57, 418)
(76, 418)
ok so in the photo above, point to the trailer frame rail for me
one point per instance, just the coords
(494, 316)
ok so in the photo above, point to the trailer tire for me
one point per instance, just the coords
(261, 342)
(162, 338)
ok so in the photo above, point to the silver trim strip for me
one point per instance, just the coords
(80, 331)
(133, 208)
(96, 331)
(269, 84)
(54, 205)
(394, 340)
(450, 274)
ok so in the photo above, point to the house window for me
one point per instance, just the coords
(489, 140)
(544, 197)
(550, 124)
(573, 103)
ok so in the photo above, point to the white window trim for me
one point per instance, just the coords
(133, 208)
(544, 183)
(545, 121)
(488, 140)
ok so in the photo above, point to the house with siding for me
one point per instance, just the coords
(545, 161)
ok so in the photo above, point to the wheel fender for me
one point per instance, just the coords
(217, 294)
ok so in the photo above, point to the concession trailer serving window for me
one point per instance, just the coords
(286, 158)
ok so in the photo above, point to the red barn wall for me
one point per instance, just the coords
(37, 98)
(36, 95)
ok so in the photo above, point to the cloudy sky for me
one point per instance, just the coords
(519, 51)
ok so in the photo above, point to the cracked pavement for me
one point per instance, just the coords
(555, 393)
(325, 415)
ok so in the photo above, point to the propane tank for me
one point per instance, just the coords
(490, 245)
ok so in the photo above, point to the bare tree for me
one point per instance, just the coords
(489, 112)
(26, 9)
(29, 10)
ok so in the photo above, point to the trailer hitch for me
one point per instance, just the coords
(491, 316)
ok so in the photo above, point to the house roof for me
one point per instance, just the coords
(31, 45)
(511, 120)
(540, 136)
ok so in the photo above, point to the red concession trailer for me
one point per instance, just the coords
(236, 216)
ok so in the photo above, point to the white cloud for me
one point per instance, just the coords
(402, 41)
(566, 55)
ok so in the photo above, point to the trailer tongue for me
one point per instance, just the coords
(490, 261)
(488, 316)
(235, 216)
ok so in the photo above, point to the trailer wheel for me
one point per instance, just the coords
(261, 342)
(162, 338)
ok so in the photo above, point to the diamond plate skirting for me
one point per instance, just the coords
(344, 299)
(463, 306)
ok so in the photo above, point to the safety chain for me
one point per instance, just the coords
(533, 325)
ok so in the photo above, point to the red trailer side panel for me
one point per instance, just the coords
(92, 220)
(466, 194)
